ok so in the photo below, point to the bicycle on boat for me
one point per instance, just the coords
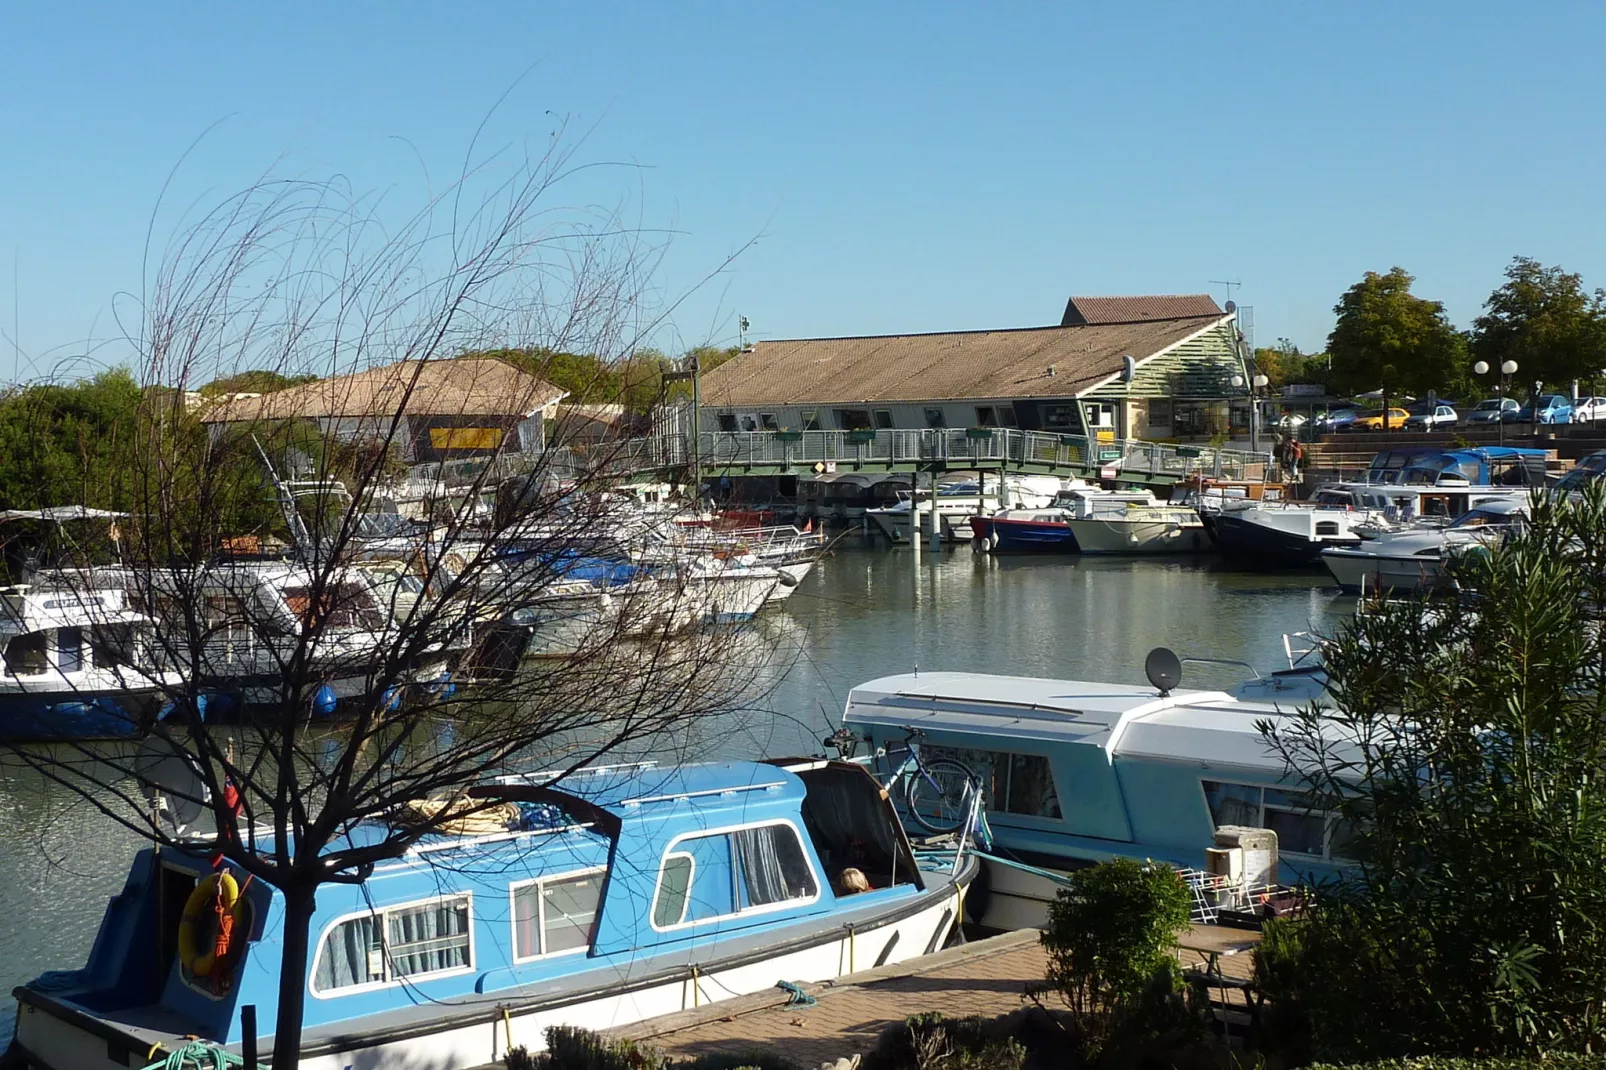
(939, 794)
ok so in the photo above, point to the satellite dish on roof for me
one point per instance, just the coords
(1163, 668)
(1232, 306)
(173, 785)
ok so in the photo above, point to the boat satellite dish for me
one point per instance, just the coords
(1163, 668)
(173, 785)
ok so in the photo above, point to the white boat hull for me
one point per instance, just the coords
(1359, 572)
(58, 1045)
(1112, 536)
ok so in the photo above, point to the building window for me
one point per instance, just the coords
(935, 418)
(727, 422)
(811, 419)
(556, 914)
(1299, 828)
(985, 417)
(749, 421)
(407, 941)
(854, 419)
(1159, 412)
(1011, 783)
(1060, 416)
(1006, 415)
(883, 419)
(766, 420)
(725, 874)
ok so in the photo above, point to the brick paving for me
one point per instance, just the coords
(986, 979)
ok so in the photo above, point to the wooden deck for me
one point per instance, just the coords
(986, 978)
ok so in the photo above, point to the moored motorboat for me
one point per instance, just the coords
(609, 897)
(1078, 771)
(1413, 560)
(1140, 529)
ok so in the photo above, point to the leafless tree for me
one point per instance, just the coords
(371, 668)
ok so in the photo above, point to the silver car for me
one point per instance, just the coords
(1491, 410)
(1440, 415)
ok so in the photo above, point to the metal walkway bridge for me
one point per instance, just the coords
(774, 453)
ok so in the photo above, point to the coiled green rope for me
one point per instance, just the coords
(198, 1055)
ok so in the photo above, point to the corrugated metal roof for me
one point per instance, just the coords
(1082, 311)
(1028, 362)
(466, 386)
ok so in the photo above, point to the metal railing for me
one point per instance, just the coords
(954, 448)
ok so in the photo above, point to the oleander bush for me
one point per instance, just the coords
(1462, 761)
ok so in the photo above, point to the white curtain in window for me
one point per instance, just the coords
(428, 939)
(346, 954)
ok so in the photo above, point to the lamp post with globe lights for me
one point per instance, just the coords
(1257, 383)
(1502, 389)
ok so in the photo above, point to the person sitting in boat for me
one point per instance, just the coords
(851, 881)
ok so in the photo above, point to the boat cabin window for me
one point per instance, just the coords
(112, 645)
(1327, 527)
(1011, 783)
(70, 649)
(413, 940)
(724, 874)
(1299, 829)
(347, 605)
(25, 655)
(555, 914)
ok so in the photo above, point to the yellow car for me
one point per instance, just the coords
(1373, 421)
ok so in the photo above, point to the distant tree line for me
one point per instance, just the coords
(1388, 338)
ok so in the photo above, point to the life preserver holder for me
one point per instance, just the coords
(216, 899)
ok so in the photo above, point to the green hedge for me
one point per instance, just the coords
(1555, 1061)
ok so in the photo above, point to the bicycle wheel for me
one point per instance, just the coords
(938, 794)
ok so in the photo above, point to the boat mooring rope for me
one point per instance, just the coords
(198, 1055)
(795, 996)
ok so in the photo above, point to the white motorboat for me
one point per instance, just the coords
(1137, 528)
(953, 505)
(78, 664)
(1414, 559)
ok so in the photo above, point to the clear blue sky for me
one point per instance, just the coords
(910, 167)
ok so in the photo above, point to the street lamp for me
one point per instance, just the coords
(1502, 389)
(1257, 383)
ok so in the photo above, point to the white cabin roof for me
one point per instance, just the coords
(1209, 728)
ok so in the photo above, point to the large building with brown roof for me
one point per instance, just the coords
(448, 408)
(1135, 367)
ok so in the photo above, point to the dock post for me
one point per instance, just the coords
(248, 1035)
(914, 517)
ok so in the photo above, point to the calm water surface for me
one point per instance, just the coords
(860, 614)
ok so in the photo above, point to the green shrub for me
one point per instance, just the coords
(569, 1048)
(1557, 1061)
(936, 1042)
(519, 1058)
(1111, 940)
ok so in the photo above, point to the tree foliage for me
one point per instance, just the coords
(1465, 763)
(635, 381)
(1388, 338)
(1283, 363)
(1543, 318)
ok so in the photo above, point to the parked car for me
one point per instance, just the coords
(1432, 417)
(1544, 409)
(1373, 421)
(1334, 420)
(1492, 410)
(1588, 410)
(1292, 421)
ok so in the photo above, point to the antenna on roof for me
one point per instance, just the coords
(1229, 284)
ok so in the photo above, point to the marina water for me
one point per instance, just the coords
(861, 613)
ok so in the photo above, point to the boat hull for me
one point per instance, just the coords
(1030, 536)
(895, 526)
(1096, 536)
(1268, 547)
(45, 716)
(1360, 573)
(53, 1036)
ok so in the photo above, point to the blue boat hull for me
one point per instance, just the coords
(1031, 536)
(73, 715)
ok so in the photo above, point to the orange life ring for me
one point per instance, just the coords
(218, 897)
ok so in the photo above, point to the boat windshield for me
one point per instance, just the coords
(1584, 472)
(1485, 518)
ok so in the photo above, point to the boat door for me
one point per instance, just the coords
(173, 889)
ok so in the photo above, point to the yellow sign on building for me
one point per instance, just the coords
(465, 438)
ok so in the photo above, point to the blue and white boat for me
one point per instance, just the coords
(1076, 772)
(618, 895)
(77, 664)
